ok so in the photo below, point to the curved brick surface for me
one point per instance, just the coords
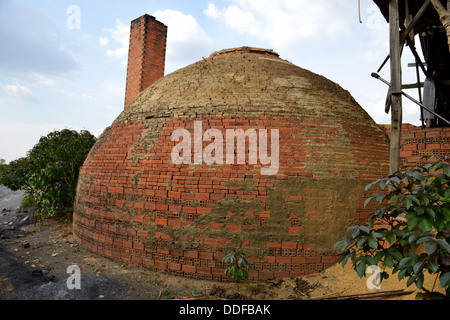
(134, 204)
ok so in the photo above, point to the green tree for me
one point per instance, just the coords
(15, 175)
(54, 164)
(410, 232)
(50, 171)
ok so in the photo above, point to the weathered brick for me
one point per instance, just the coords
(131, 193)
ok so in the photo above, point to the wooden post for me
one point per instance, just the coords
(396, 85)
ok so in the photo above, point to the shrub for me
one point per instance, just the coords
(410, 231)
(15, 175)
(55, 162)
(237, 266)
(49, 173)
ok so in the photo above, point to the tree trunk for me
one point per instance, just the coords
(444, 16)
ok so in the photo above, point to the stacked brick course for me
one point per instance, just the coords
(419, 144)
(135, 205)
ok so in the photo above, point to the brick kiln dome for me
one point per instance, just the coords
(136, 204)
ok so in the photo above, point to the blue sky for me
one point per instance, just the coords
(58, 71)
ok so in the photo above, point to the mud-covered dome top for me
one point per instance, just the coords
(244, 81)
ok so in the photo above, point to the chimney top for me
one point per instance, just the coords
(146, 55)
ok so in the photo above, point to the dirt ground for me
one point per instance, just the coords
(34, 258)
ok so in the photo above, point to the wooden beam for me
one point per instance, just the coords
(413, 22)
(416, 64)
(411, 25)
(413, 86)
(360, 296)
(396, 85)
(416, 55)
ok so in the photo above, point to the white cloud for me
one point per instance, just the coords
(285, 24)
(41, 79)
(15, 92)
(377, 45)
(186, 40)
(237, 19)
(120, 37)
(103, 41)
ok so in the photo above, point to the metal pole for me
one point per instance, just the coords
(375, 75)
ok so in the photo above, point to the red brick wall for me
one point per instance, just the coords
(148, 211)
(146, 56)
(417, 143)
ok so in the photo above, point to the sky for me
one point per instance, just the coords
(63, 63)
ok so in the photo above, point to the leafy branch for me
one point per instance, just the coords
(238, 266)
(410, 231)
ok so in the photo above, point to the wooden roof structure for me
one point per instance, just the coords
(408, 19)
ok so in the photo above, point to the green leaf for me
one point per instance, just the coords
(390, 238)
(445, 279)
(418, 266)
(413, 198)
(365, 229)
(407, 202)
(345, 259)
(368, 200)
(412, 221)
(418, 176)
(361, 242)
(413, 237)
(368, 186)
(396, 180)
(411, 281)
(443, 244)
(341, 245)
(388, 261)
(447, 193)
(395, 253)
(377, 235)
(373, 243)
(432, 266)
(377, 257)
(401, 274)
(425, 239)
(447, 167)
(405, 262)
(420, 211)
(379, 197)
(425, 225)
(361, 268)
(430, 247)
(355, 232)
(446, 212)
(431, 212)
(425, 199)
(419, 281)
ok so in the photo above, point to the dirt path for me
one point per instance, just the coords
(34, 261)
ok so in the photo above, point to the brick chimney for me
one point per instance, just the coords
(146, 55)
